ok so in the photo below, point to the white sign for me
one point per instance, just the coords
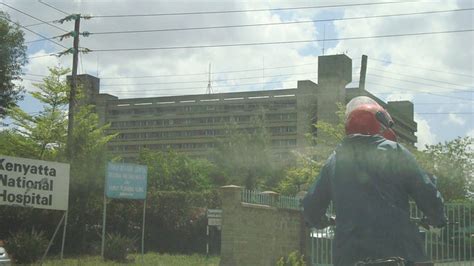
(214, 217)
(34, 183)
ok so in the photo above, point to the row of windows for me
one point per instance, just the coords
(284, 142)
(193, 133)
(203, 108)
(198, 121)
(188, 146)
(176, 146)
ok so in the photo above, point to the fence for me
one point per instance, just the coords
(270, 198)
(455, 242)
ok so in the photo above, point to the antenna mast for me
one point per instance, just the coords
(324, 36)
(209, 88)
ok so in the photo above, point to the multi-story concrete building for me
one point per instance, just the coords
(192, 123)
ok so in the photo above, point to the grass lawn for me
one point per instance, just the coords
(135, 259)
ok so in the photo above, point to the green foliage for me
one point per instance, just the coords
(300, 177)
(293, 259)
(173, 171)
(175, 220)
(245, 156)
(27, 247)
(117, 247)
(45, 132)
(453, 163)
(12, 59)
(43, 136)
(310, 162)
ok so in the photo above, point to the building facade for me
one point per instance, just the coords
(193, 123)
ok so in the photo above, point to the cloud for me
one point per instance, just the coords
(453, 118)
(183, 61)
(424, 133)
(413, 68)
(470, 133)
(38, 66)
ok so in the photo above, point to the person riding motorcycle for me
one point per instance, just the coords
(369, 179)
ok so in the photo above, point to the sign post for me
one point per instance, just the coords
(125, 181)
(214, 218)
(35, 184)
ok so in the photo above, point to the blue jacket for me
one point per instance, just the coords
(369, 180)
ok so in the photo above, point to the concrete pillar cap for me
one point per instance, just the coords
(231, 186)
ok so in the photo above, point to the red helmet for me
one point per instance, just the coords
(370, 119)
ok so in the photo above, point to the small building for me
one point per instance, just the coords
(192, 123)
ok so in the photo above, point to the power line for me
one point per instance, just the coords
(417, 77)
(281, 42)
(26, 14)
(276, 82)
(228, 85)
(39, 23)
(202, 81)
(36, 75)
(447, 113)
(39, 56)
(206, 73)
(19, 25)
(423, 92)
(278, 23)
(34, 80)
(246, 10)
(55, 8)
(419, 67)
(421, 83)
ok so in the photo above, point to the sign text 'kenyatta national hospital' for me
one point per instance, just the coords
(34, 183)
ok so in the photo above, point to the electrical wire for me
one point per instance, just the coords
(417, 77)
(420, 83)
(248, 10)
(26, 14)
(39, 23)
(36, 75)
(447, 113)
(40, 56)
(207, 73)
(281, 42)
(419, 67)
(227, 85)
(202, 81)
(423, 92)
(45, 38)
(277, 23)
(53, 7)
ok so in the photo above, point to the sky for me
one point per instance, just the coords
(434, 69)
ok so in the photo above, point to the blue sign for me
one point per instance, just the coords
(126, 181)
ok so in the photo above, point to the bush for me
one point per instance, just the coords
(117, 247)
(294, 259)
(27, 247)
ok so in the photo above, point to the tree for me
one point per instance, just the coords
(48, 128)
(12, 58)
(245, 156)
(173, 171)
(452, 162)
(43, 136)
(310, 162)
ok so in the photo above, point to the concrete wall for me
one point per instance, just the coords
(258, 234)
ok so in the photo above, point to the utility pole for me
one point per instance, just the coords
(72, 93)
